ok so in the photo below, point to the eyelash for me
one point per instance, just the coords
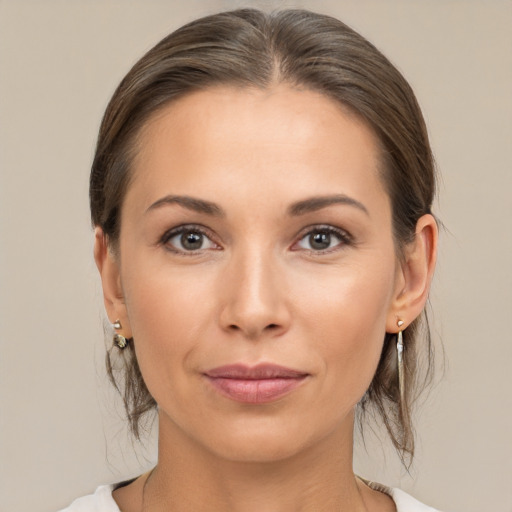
(344, 237)
(180, 230)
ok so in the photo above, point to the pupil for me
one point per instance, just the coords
(192, 241)
(320, 240)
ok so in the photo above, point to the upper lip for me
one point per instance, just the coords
(258, 372)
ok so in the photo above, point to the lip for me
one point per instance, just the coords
(258, 384)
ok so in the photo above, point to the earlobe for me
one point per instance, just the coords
(417, 270)
(113, 296)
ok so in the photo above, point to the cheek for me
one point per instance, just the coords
(346, 318)
(168, 314)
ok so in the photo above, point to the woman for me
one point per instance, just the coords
(261, 195)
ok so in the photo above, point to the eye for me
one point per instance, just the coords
(188, 239)
(323, 238)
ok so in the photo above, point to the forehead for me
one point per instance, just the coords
(290, 139)
(275, 111)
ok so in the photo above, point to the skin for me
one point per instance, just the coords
(258, 291)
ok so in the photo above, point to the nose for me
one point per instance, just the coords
(254, 298)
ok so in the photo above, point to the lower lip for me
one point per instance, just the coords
(257, 391)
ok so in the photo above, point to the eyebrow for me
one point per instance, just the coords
(317, 203)
(191, 203)
(309, 205)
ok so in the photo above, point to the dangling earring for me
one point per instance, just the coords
(119, 340)
(400, 354)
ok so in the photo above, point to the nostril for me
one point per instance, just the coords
(269, 327)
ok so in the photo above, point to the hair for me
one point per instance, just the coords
(251, 48)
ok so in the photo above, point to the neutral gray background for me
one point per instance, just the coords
(62, 431)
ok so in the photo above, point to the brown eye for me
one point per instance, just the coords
(324, 239)
(187, 239)
(320, 241)
(191, 241)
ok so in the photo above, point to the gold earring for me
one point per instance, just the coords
(119, 340)
(400, 355)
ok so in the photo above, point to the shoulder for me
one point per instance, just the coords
(406, 503)
(403, 501)
(100, 501)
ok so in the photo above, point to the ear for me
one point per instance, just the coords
(414, 275)
(108, 267)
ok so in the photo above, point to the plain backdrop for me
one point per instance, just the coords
(62, 431)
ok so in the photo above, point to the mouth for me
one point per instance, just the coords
(259, 384)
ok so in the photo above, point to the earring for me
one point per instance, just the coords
(400, 354)
(119, 340)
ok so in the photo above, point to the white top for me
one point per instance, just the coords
(102, 501)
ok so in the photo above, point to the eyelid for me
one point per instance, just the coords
(345, 237)
(183, 228)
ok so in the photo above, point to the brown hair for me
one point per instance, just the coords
(250, 48)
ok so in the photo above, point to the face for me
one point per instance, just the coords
(257, 269)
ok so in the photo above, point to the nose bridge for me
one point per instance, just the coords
(253, 300)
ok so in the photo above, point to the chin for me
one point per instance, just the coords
(258, 449)
(267, 441)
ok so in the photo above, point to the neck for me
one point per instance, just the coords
(189, 477)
